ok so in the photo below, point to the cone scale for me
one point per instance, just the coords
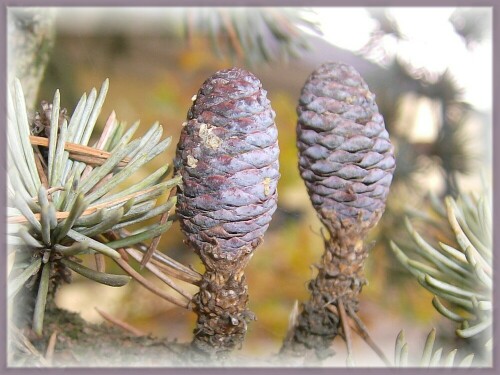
(347, 161)
(227, 156)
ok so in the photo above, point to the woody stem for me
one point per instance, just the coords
(221, 306)
(340, 278)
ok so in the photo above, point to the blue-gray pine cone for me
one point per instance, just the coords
(228, 159)
(345, 155)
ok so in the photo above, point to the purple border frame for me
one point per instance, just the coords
(209, 371)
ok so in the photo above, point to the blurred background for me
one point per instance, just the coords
(431, 71)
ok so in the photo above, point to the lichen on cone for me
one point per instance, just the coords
(346, 160)
(227, 156)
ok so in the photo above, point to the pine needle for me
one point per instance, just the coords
(41, 300)
(139, 278)
(119, 323)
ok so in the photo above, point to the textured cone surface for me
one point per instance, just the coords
(228, 159)
(346, 160)
(345, 155)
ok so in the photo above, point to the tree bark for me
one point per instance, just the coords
(30, 39)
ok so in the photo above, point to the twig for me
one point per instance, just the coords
(92, 160)
(49, 352)
(346, 328)
(127, 327)
(78, 151)
(363, 332)
(21, 219)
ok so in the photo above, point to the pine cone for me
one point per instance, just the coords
(346, 157)
(346, 160)
(228, 158)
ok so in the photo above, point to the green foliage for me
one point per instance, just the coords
(252, 35)
(430, 357)
(76, 199)
(457, 270)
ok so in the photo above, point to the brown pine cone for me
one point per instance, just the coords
(228, 159)
(346, 160)
(346, 157)
(227, 156)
